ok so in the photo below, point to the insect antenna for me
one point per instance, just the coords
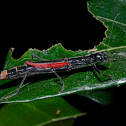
(111, 30)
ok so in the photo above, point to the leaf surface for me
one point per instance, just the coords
(47, 112)
(101, 97)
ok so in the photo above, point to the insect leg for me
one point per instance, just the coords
(109, 56)
(35, 56)
(95, 68)
(53, 70)
(4, 98)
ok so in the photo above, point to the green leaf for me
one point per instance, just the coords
(100, 97)
(45, 112)
(82, 79)
(106, 11)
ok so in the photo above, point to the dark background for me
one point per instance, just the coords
(41, 25)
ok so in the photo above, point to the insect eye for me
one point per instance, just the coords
(99, 58)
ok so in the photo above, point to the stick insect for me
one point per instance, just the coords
(54, 66)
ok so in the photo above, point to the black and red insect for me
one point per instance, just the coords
(55, 66)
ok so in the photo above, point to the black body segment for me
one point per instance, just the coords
(16, 72)
(75, 62)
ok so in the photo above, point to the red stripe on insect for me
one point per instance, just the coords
(47, 65)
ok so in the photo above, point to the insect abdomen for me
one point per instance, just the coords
(13, 73)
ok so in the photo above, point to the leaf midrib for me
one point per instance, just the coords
(110, 49)
(61, 118)
(111, 20)
(52, 119)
